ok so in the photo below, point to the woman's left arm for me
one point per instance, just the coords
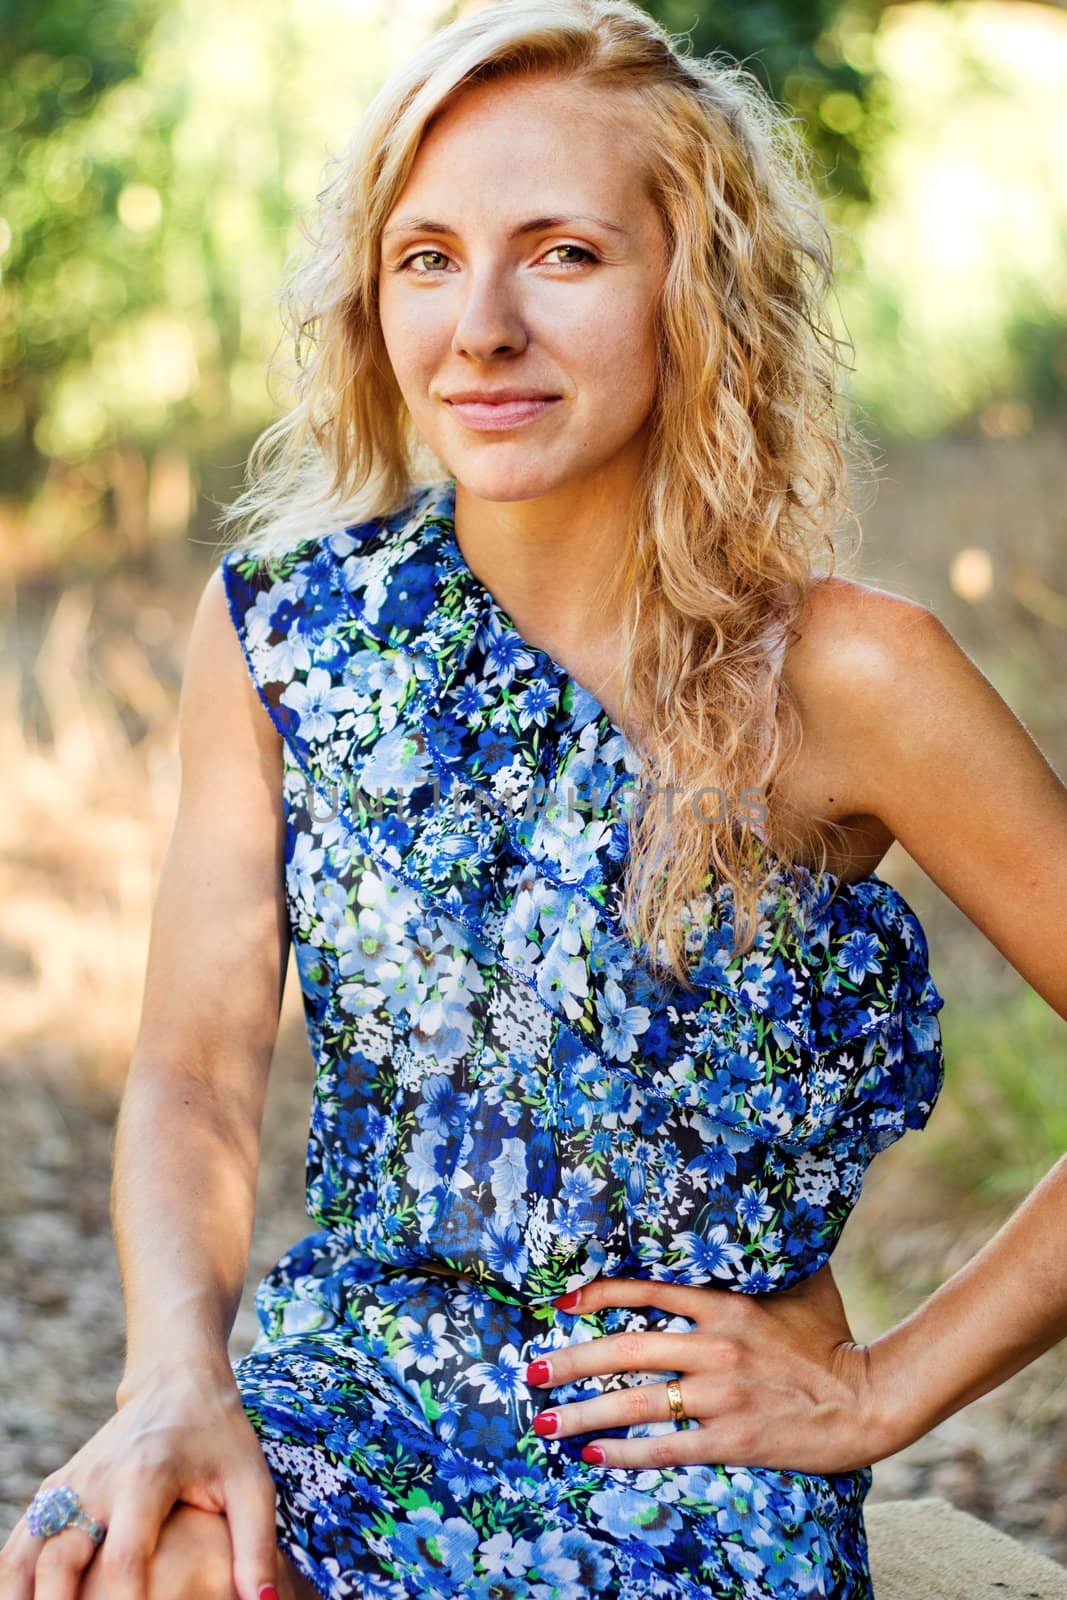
(969, 795)
(948, 767)
(777, 1379)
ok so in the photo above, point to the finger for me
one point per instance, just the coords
(61, 1563)
(688, 1446)
(18, 1559)
(250, 1509)
(679, 1298)
(623, 1352)
(71, 1549)
(132, 1535)
(643, 1402)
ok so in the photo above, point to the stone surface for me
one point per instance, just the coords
(929, 1550)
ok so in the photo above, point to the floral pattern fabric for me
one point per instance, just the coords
(504, 1094)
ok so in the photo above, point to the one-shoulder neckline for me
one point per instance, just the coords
(506, 624)
(445, 512)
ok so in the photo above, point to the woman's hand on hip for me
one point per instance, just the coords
(774, 1380)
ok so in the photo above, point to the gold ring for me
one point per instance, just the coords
(674, 1400)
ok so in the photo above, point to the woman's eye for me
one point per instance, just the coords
(420, 255)
(423, 255)
(587, 254)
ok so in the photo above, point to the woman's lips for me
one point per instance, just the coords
(489, 415)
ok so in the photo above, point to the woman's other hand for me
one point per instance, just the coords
(774, 1380)
(179, 1434)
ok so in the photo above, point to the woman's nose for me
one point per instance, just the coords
(489, 319)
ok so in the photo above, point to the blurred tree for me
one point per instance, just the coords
(155, 160)
(813, 55)
(931, 124)
(66, 265)
(816, 58)
(953, 283)
(58, 56)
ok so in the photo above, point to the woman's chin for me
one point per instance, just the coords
(504, 472)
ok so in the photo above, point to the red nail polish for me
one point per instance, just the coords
(546, 1423)
(567, 1302)
(538, 1372)
(594, 1455)
(268, 1592)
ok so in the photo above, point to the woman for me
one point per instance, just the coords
(597, 1080)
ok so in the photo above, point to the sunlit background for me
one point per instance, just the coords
(155, 160)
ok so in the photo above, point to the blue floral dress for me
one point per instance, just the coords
(501, 1090)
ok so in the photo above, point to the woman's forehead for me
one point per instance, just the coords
(565, 104)
(528, 140)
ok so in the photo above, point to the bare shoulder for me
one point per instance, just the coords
(853, 643)
(848, 627)
(220, 705)
(906, 739)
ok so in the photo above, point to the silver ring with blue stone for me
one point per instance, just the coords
(52, 1510)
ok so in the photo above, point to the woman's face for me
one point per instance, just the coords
(525, 254)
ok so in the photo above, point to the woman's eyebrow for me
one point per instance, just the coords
(534, 225)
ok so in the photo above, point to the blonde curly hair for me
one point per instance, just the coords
(746, 473)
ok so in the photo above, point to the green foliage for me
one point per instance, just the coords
(69, 266)
(954, 285)
(143, 235)
(155, 161)
(57, 57)
(812, 55)
(1006, 1074)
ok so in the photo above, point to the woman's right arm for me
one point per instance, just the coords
(187, 1141)
(186, 1157)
